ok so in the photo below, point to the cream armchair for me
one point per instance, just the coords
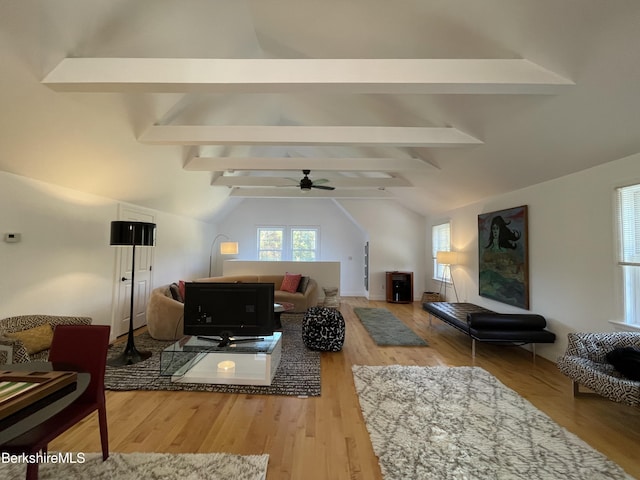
(26, 338)
(165, 316)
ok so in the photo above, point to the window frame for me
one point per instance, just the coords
(287, 251)
(315, 250)
(627, 213)
(260, 250)
(440, 244)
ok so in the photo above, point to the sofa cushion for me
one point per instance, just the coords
(34, 339)
(290, 282)
(175, 292)
(626, 360)
(302, 286)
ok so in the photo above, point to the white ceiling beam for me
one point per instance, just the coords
(374, 164)
(256, 75)
(306, 135)
(295, 192)
(345, 182)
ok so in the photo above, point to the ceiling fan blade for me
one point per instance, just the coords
(323, 187)
(322, 180)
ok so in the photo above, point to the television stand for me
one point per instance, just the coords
(227, 340)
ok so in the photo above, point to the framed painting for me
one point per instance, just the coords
(504, 257)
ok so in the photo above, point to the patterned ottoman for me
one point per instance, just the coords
(323, 329)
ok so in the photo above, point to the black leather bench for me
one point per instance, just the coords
(488, 326)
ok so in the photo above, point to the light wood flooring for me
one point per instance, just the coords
(325, 437)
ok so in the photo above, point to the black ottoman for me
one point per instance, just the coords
(323, 329)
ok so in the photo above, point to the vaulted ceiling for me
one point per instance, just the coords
(181, 105)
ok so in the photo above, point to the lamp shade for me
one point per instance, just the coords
(447, 258)
(133, 233)
(229, 248)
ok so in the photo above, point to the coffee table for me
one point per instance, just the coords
(278, 309)
(198, 360)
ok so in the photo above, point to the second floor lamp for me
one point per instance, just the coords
(446, 259)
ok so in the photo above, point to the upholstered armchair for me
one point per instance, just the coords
(585, 363)
(27, 338)
(165, 314)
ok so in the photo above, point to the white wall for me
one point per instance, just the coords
(574, 281)
(396, 242)
(64, 264)
(340, 239)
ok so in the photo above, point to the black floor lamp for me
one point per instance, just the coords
(125, 234)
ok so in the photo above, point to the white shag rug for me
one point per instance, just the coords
(139, 466)
(461, 423)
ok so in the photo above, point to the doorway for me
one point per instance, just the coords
(122, 281)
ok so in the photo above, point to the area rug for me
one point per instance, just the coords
(137, 466)
(386, 329)
(298, 373)
(462, 423)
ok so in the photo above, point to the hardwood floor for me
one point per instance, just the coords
(325, 437)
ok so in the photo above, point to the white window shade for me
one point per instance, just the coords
(440, 242)
(628, 212)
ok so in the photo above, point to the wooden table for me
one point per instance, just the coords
(41, 392)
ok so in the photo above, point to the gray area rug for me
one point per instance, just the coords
(386, 329)
(462, 423)
(298, 372)
(137, 466)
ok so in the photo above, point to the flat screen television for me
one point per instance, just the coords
(225, 311)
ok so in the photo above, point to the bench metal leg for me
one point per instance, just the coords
(473, 347)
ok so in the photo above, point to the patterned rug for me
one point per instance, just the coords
(462, 423)
(136, 466)
(386, 329)
(298, 372)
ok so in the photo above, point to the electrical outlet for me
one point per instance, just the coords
(12, 237)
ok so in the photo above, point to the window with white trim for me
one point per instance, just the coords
(270, 243)
(299, 243)
(304, 244)
(628, 213)
(440, 242)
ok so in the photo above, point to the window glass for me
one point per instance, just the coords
(304, 244)
(270, 243)
(441, 242)
(628, 213)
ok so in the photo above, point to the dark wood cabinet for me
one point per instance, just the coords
(399, 287)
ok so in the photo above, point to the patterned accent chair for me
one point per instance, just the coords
(323, 329)
(585, 362)
(13, 350)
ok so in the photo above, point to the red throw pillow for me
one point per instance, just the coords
(290, 282)
(181, 288)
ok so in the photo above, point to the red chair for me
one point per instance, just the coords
(80, 348)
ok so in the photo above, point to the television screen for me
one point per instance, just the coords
(226, 310)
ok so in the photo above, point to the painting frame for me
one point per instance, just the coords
(503, 256)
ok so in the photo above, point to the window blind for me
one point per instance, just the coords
(628, 213)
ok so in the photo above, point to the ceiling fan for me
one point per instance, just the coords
(306, 184)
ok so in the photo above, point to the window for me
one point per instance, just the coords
(300, 244)
(304, 244)
(270, 243)
(440, 242)
(628, 213)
